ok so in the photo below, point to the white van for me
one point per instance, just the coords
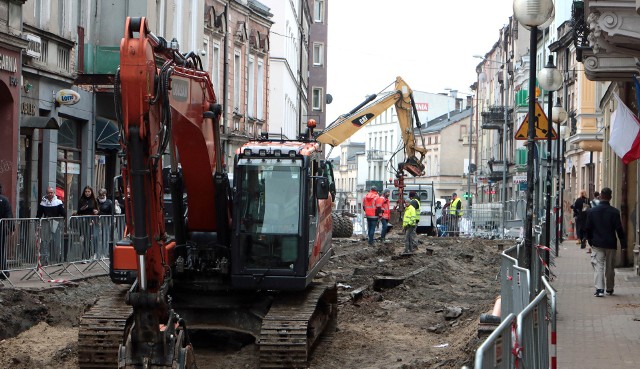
(427, 205)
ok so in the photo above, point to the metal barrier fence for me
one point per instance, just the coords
(532, 329)
(514, 281)
(495, 351)
(53, 246)
(533, 347)
(473, 223)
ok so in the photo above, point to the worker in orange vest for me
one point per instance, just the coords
(383, 209)
(369, 207)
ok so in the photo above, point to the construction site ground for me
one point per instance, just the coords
(395, 311)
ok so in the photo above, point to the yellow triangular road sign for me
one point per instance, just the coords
(542, 126)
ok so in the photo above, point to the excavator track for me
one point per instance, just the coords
(294, 323)
(102, 329)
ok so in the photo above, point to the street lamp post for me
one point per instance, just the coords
(550, 80)
(559, 116)
(504, 149)
(469, 165)
(531, 13)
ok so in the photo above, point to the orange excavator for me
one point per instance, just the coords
(243, 260)
(243, 257)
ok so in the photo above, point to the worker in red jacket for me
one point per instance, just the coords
(383, 209)
(369, 207)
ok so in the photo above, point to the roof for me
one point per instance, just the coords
(445, 120)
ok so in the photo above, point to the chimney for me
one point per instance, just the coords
(458, 104)
(469, 101)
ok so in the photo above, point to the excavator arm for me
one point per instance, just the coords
(402, 98)
(167, 109)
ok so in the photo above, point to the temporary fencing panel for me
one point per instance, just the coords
(40, 244)
(84, 234)
(533, 333)
(495, 351)
(552, 296)
(473, 223)
(533, 346)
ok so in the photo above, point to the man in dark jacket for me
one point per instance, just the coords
(5, 232)
(602, 225)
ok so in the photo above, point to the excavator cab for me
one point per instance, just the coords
(282, 205)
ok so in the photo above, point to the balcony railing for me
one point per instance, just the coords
(497, 168)
(494, 117)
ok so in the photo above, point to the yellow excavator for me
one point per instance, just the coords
(402, 98)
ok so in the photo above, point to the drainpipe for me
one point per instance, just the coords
(225, 78)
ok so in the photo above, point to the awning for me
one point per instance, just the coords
(39, 122)
(107, 134)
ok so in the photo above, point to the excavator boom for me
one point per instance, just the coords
(402, 98)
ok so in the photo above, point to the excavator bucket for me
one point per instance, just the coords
(414, 166)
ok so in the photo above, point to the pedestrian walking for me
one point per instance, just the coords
(455, 213)
(594, 202)
(601, 227)
(50, 207)
(580, 207)
(596, 199)
(369, 207)
(383, 209)
(409, 223)
(5, 233)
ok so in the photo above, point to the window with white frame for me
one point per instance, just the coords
(205, 53)
(317, 98)
(215, 70)
(260, 90)
(318, 11)
(251, 88)
(237, 76)
(318, 53)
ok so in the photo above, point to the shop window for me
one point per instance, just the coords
(69, 163)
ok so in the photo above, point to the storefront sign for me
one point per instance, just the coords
(8, 63)
(29, 109)
(70, 168)
(67, 97)
(519, 179)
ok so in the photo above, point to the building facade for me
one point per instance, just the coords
(607, 40)
(318, 48)
(289, 67)
(49, 49)
(11, 46)
(236, 47)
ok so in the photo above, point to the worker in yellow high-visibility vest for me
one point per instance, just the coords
(455, 212)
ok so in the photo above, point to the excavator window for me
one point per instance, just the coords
(270, 202)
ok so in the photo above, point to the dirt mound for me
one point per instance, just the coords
(405, 312)
(39, 328)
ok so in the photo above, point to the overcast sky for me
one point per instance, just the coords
(429, 43)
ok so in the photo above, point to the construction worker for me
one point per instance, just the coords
(413, 195)
(455, 212)
(369, 207)
(409, 223)
(383, 209)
